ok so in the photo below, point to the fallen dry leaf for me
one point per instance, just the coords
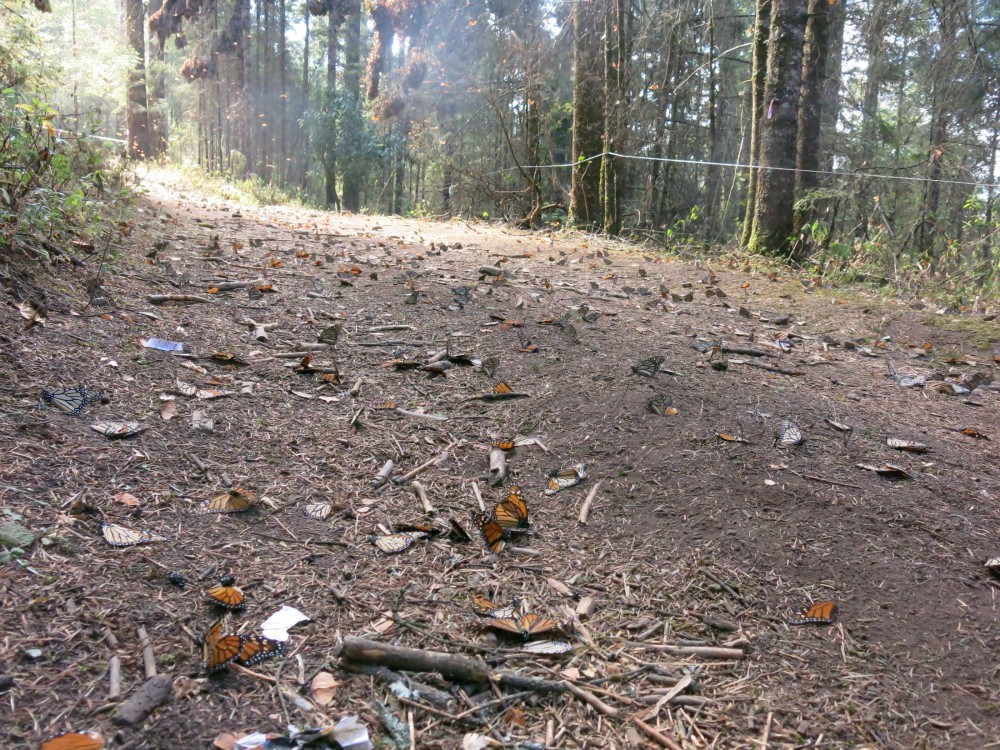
(323, 687)
(128, 499)
(168, 411)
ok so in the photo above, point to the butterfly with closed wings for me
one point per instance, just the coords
(488, 608)
(392, 544)
(512, 513)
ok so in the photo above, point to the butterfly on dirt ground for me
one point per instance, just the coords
(820, 613)
(227, 594)
(488, 608)
(122, 536)
(392, 544)
(494, 535)
(567, 476)
(789, 433)
(512, 513)
(236, 500)
(649, 366)
(75, 741)
(526, 625)
(71, 401)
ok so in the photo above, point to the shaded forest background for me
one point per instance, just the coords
(876, 123)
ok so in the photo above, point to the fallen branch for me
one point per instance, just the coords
(384, 473)
(661, 739)
(498, 466)
(769, 368)
(590, 699)
(438, 697)
(702, 652)
(422, 415)
(153, 693)
(159, 299)
(229, 286)
(451, 666)
(148, 658)
(259, 329)
(436, 461)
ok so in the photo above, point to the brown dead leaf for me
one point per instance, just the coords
(225, 741)
(168, 411)
(126, 498)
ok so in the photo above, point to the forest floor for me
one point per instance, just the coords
(676, 594)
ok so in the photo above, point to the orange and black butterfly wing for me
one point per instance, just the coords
(532, 624)
(219, 649)
(505, 444)
(230, 597)
(502, 388)
(512, 513)
(255, 648)
(820, 613)
(504, 624)
(492, 533)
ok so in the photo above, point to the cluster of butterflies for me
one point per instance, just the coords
(236, 500)
(508, 517)
(516, 621)
(220, 647)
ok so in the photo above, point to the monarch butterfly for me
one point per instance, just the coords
(648, 367)
(122, 536)
(75, 741)
(218, 649)
(483, 606)
(993, 565)
(731, 438)
(490, 365)
(506, 444)
(568, 476)
(512, 513)
(840, 426)
(186, 389)
(525, 626)
(227, 594)
(387, 406)
(906, 445)
(790, 434)
(661, 405)
(236, 500)
(527, 346)
(889, 471)
(71, 401)
(502, 387)
(318, 511)
(392, 544)
(821, 613)
(116, 428)
(256, 648)
(548, 648)
(494, 535)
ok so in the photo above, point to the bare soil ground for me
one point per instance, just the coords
(692, 540)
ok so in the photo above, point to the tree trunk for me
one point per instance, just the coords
(330, 158)
(588, 113)
(774, 211)
(156, 91)
(352, 87)
(830, 114)
(757, 75)
(283, 160)
(137, 112)
(814, 56)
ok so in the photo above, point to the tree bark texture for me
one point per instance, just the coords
(588, 112)
(774, 211)
(761, 35)
(137, 109)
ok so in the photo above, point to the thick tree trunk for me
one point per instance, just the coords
(832, 85)
(283, 160)
(352, 87)
(774, 212)
(615, 122)
(330, 158)
(814, 54)
(137, 111)
(588, 112)
(758, 72)
(156, 91)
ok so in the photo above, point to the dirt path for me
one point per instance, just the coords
(692, 540)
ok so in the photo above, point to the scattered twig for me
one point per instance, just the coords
(702, 652)
(587, 503)
(422, 415)
(823, 480)
(498, 467)
(152, 694)
(656, 735)
(436, 461)
(148, 657)
(159, 299)
(497, 396)
(425, 501)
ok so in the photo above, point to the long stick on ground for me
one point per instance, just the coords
(587, 503)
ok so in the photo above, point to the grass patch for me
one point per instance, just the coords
(981, 333)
